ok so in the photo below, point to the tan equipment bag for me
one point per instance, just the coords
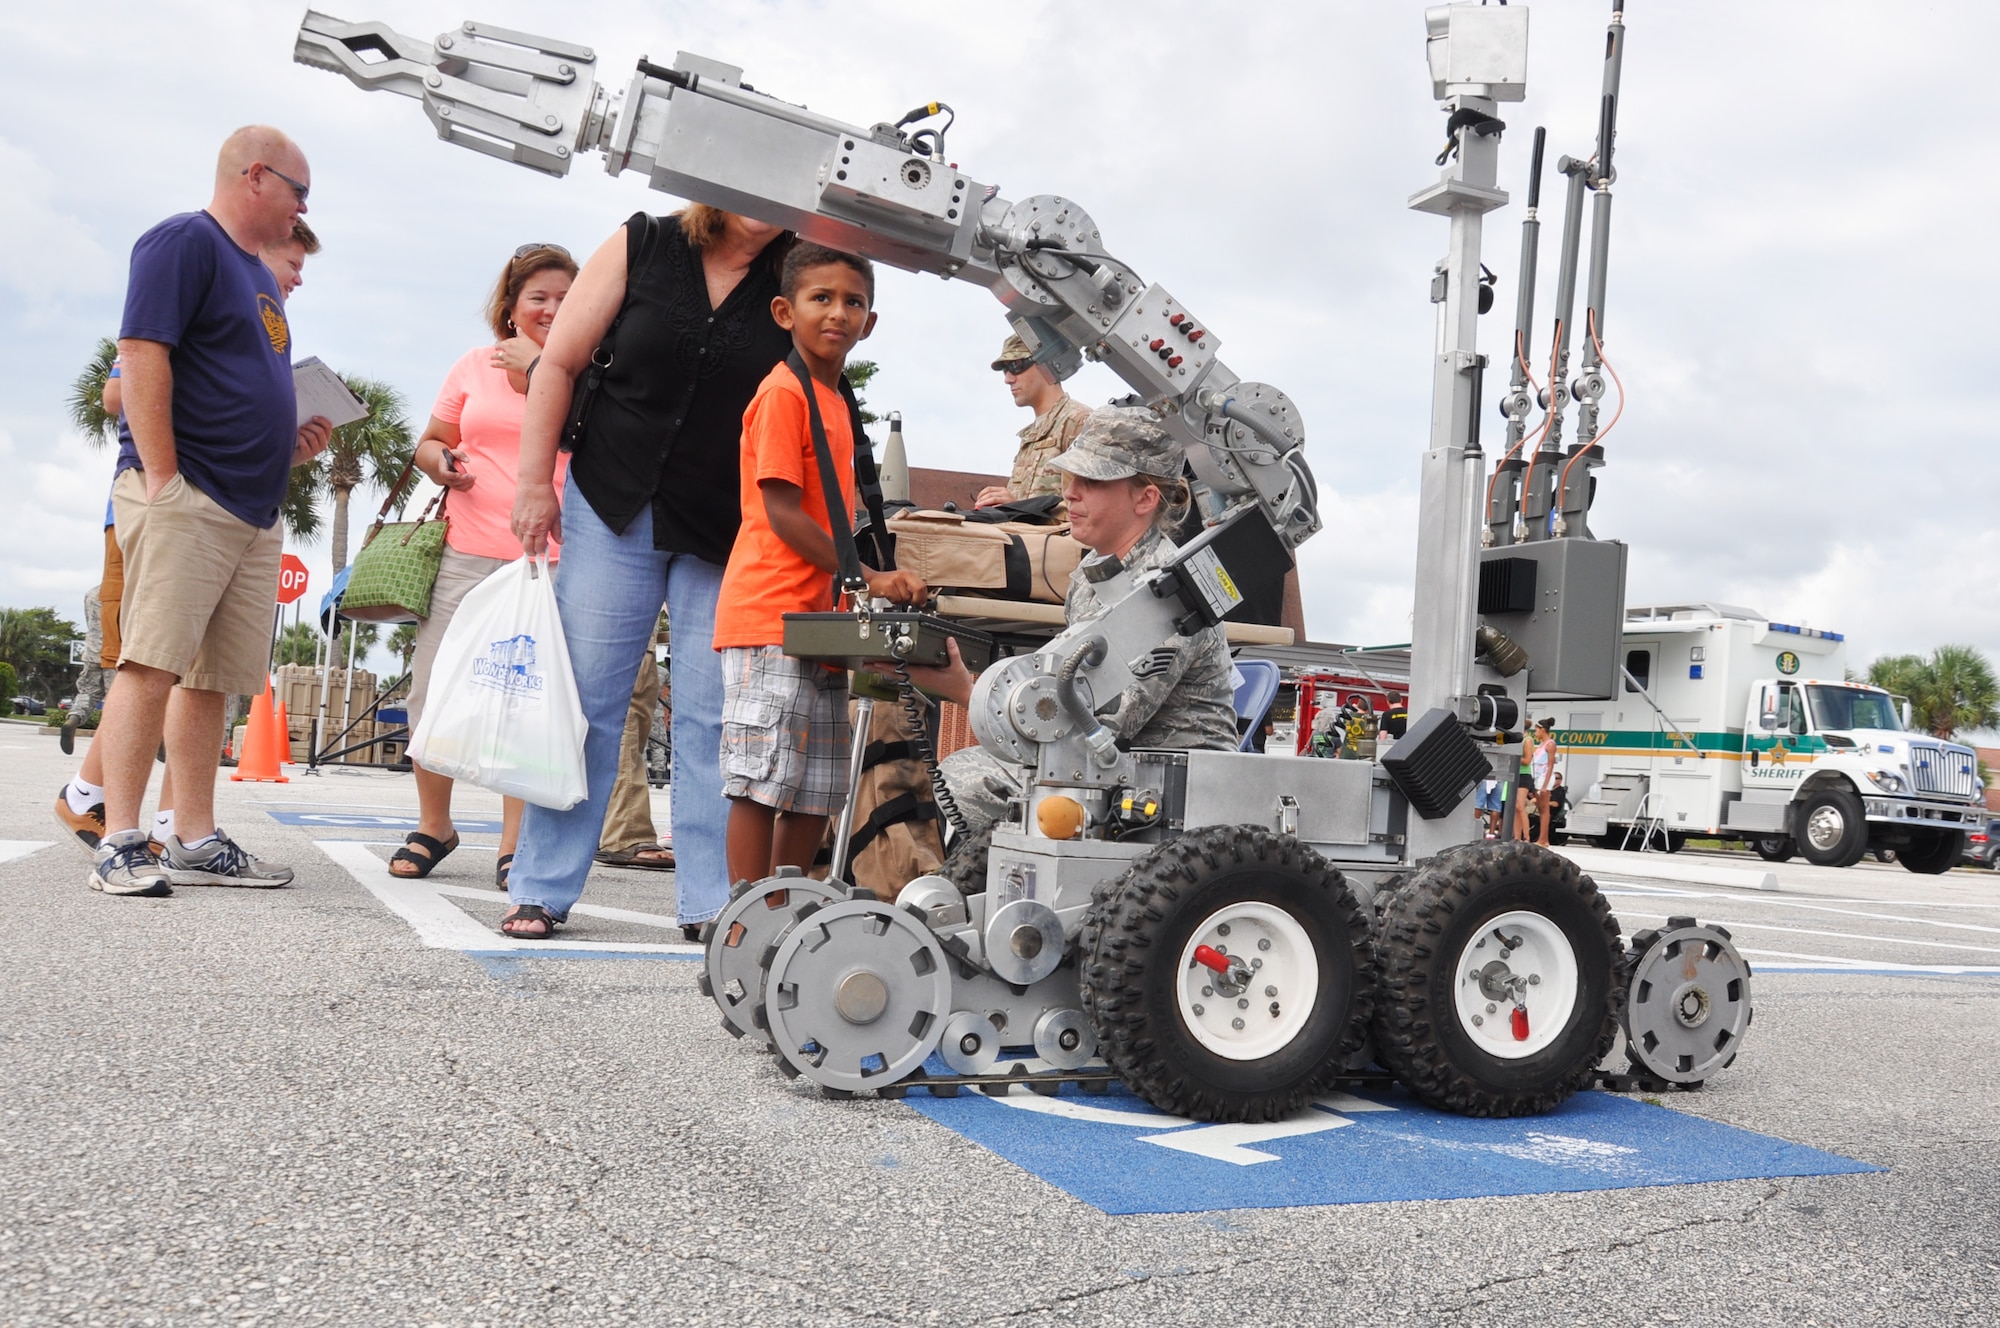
(1004, 560)
(896, 824)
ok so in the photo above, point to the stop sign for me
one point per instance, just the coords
(291, 579)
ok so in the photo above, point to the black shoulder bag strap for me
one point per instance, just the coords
(584, 393)
(847, 558)
(877, 544)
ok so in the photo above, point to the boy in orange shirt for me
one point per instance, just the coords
(784, 721)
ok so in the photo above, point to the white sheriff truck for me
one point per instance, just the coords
(1728, 725)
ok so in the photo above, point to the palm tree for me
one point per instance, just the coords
(373, 450)
(86, 396)
(1963, 693)
(1900, 675)
(403, 643)
(299, 643)
(858, 373)
(1951, 690)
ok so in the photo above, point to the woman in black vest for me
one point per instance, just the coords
(671, 320)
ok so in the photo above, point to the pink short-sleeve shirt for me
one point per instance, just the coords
(487, 410)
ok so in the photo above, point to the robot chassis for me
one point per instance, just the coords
(1234, 933)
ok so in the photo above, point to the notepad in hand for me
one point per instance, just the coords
(321, 392)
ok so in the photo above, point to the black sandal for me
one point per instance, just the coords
(438, 850)
(528, 915)
(501, 868)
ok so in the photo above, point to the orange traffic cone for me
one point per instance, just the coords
(284, 736)
(263, 740)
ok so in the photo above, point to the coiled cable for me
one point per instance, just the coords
(920, 738)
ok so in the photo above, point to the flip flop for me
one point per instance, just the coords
(522, 917)
(501, 868)
(438, 850)
(650, 857)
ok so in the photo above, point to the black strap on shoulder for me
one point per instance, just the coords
(877, 545)
(584, 393)
(847, 555)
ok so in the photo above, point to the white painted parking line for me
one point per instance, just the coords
(1830, 964)
(1229, 1143)
(320, 804)
(11, 849)
(588, 910)
(442, 925)
(1069, 1108)
(1612, 889)
(1744, 925)
(1218, 1143)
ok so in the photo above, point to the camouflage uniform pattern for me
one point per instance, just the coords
(1119, 442)
(93, 682)
(1186, 703)
(1041, 443)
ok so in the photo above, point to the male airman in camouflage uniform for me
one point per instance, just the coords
(1059, 417)
(1124, 490)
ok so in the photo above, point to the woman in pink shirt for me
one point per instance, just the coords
(471, 446)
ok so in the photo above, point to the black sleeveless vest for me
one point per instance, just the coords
(667, 425)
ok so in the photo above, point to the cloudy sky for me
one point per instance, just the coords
(1798, 300)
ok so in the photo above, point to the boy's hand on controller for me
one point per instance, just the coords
(897, 587)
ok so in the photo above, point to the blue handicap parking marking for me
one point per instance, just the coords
(1118, 1154)
(373, 821)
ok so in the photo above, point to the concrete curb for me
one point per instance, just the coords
(1668, 867)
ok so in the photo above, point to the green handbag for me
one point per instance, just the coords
(392, 578)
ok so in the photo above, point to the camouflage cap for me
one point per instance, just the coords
(1013, 351)
(1121, 441)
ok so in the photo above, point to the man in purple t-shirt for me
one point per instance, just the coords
(208, 397)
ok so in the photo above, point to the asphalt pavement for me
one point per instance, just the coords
(332, 1104)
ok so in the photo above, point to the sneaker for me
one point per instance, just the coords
(88, 828)
(222, 861)
(124, 867)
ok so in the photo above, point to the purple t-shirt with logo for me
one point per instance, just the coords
(235, 414)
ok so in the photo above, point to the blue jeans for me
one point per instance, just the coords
(609, 588)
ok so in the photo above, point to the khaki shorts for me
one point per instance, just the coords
(785, 734)
(200, 587)
(458, 573)
(110, 591)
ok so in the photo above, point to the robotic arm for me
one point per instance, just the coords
(887, 192)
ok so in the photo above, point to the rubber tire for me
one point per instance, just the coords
(1422, 931)
(1775, 848)
(1676, 840)
(1131, 941)
(1853, 842)
(1932, 853)
(964, 862)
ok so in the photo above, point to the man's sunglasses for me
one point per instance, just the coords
(537, 247)
(300, 190)
(1016, 366)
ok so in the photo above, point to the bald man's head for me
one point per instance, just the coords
(261, 179)
(256, 143)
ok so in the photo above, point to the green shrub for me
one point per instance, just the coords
(9, 681)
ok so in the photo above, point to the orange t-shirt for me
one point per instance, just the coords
(765, 579)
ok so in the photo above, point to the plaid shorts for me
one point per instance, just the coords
(785, 733)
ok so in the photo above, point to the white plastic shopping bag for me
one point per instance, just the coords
(501, 710)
